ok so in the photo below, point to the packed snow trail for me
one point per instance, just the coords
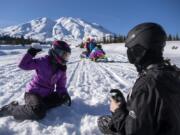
(88, 84)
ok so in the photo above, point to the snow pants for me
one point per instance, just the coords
(35, 106)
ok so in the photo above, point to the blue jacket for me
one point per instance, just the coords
(92, 45)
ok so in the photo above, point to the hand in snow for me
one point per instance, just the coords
(36, 46)
(114, 105)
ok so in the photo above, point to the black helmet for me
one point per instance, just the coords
(145, 37)
(148, 35)
(62, 45)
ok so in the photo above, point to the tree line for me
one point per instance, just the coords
(5, 39)
(112, 39)
(121, 39)
(173, 37)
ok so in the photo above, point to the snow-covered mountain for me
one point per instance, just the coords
(66, 28)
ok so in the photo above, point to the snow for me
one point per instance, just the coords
(36, 45)
(88, 84)
(67, 28)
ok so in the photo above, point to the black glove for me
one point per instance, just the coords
(33, 51)
(105, 124)
(66, 99)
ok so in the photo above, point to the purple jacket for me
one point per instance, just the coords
(96, 54)
(44, 81)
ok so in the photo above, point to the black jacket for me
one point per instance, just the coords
(153, 105)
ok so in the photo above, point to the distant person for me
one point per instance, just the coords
(97, 53)
(89, 45)
(153, 105)
(41, 93)
(92, 44)
(86, 45)
(85, 54)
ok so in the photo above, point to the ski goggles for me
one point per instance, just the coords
(63, 54)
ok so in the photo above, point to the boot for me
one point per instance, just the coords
(6, 110)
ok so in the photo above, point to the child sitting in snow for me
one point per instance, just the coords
(97, 53)
(47, 89)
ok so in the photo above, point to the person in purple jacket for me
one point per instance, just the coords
(97, 53)
(47, 89)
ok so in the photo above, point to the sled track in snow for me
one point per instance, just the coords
(123, 83)
(90, 80)
(71, 76)
(88, 84)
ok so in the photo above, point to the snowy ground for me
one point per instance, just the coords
(88, 84)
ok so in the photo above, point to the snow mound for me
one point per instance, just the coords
(88, 84)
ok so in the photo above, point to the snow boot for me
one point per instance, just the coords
(6, 110)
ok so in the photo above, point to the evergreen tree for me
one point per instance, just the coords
(5, 39)
(177, 37)
(169, 38)
(115, 38)
(104, 39)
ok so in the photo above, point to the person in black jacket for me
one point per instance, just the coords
(153, 105)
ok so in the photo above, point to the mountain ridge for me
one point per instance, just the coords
(63, 28)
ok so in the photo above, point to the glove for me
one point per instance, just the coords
(34, 49)
(105, 124)
(66, 99)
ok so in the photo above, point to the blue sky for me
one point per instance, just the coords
(118, 16)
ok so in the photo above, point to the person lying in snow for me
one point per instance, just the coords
(97, 53)
(47, 89)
